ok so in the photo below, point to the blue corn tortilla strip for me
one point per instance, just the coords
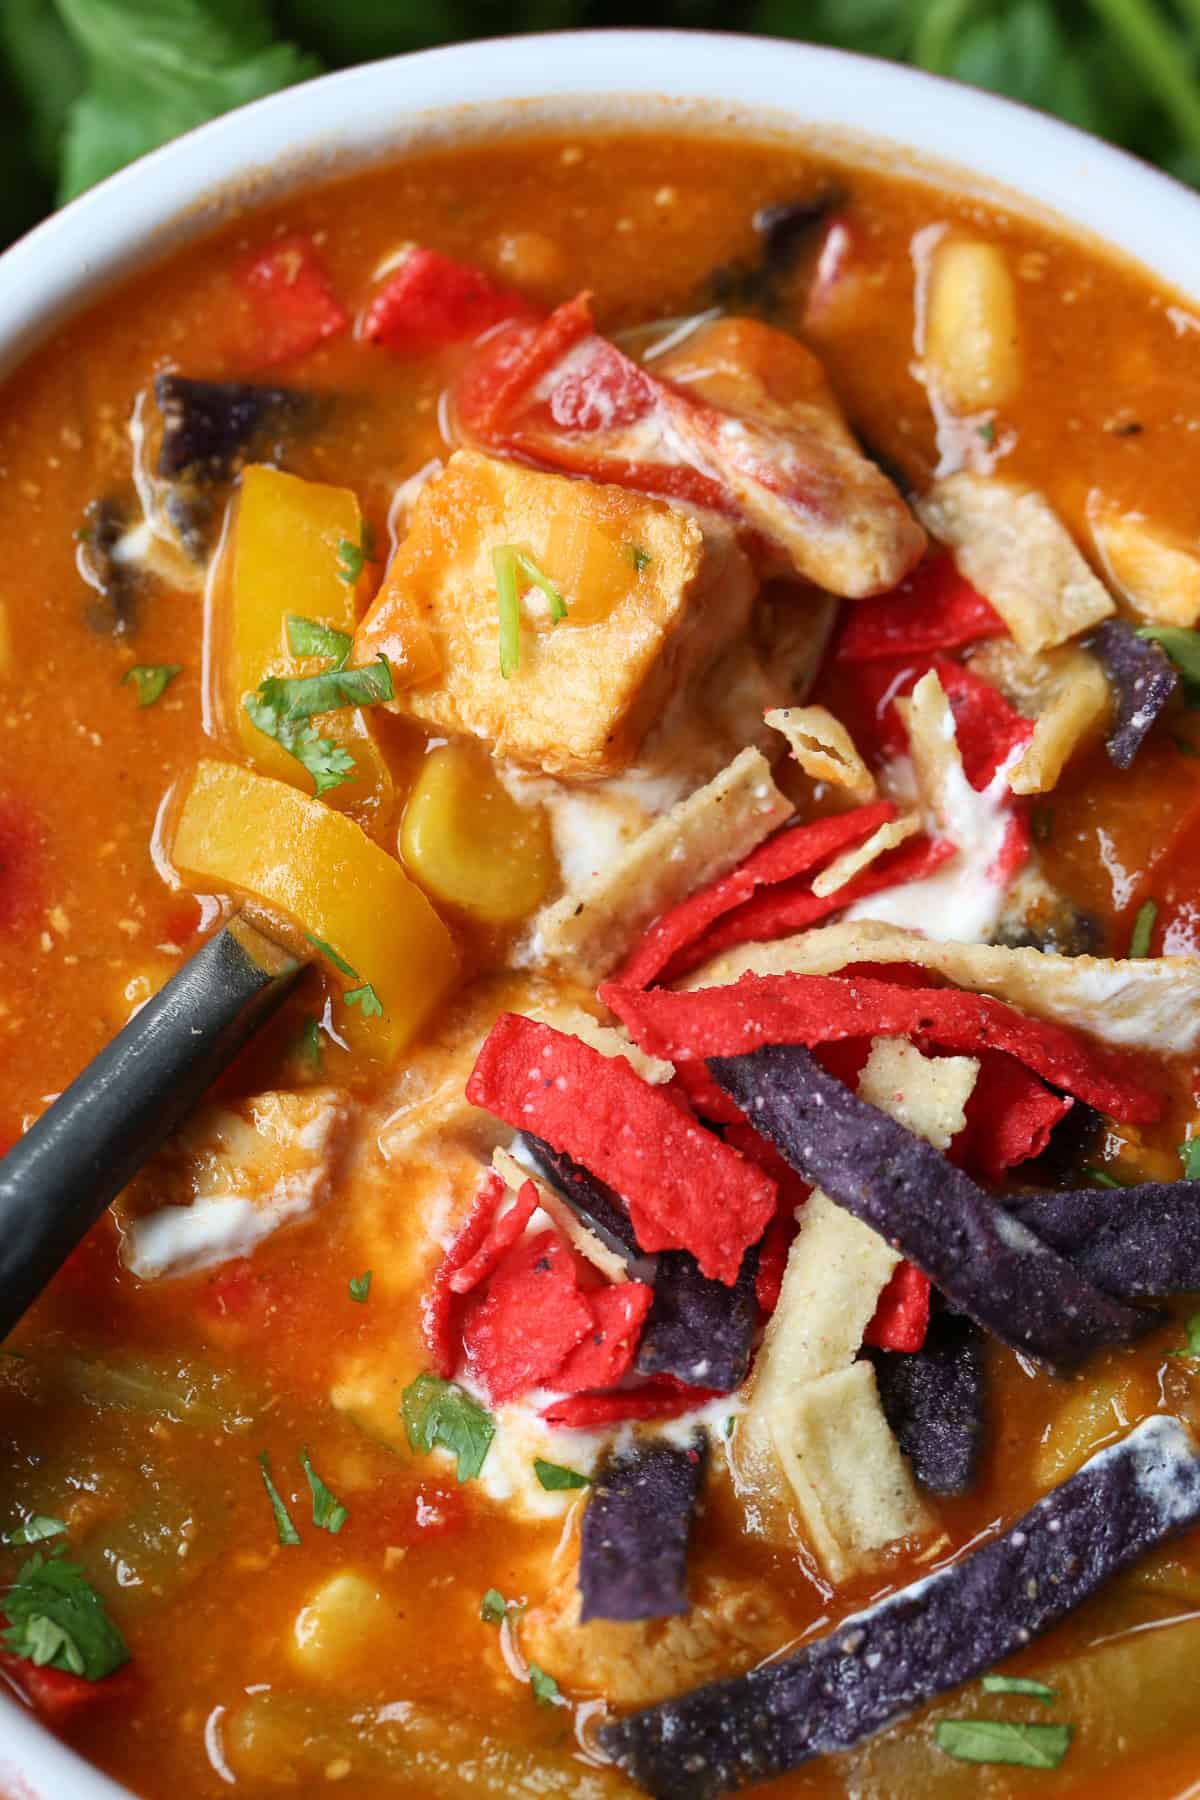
(1142, 678)
(933, 1399)
(934, 1635)
(986, 1262)
(599, 1207)
(633, 1545)
(698, 1330)
(208, 425)
(1134, 1242)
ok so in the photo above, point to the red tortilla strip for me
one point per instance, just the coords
(520, 1330)
(1010, 1116)
(605, 1354)
(934, 608)
(902, 1316)
(685, 1189)
(437, 1306)
(988, 729)
(792, 906)
(819, 1009)
(797, 850)
(501, 1237)
(662, 1399)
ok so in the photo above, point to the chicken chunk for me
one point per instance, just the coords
(651, 600)
(229, 1177)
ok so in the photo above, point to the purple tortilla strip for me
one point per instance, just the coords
(207, 425)
(599, 1207)
(1142, 678)
(1133, 1242)
(699, 1330)
(931, 1636)
(633, 1546)
(933, 1399)
(986, 1263)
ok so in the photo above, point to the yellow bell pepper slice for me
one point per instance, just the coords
(293, 549)
(465, 839)
(244, 833)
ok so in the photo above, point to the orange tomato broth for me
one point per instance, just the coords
(88, 928)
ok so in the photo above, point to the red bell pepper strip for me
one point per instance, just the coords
(818, 1009)
(522, 1327)
(430, 301)
(57, 1695)
(605, 1354)
(934, 608)
(293, 305)
(902, 1316)
(502, 1235)
(437, 1306)
(796, 850)
(685, 1189)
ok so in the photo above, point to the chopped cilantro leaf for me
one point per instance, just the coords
(1183, 648)
(555, 1478)
(151, 680)
(638, 557)
(1103, 1177)
(35, 1530)
(1143, 928)
(57, 1619)
(1192, 1347)
(328, 1512)
(1018, 1684)
(366, 999)
(339, 962)
(1189, 1156)
(531, 572)
(494, 1607)
(437, 1412)
(308, 1046)
(986, 433)
(1003, 1741)
(351, 558)
(360, 1287)
(282, 706)
(545, 1688)
(504, 562)
(284, 1528)
(327, 763)
(308, 637)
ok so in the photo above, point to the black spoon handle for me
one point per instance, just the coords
(57, 1180)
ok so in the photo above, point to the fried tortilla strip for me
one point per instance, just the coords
(700, 839)
(1063, 691)
(1145, 1003)
(824, 749)
(1017, 552)
(852, 862)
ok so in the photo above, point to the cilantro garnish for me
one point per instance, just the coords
(986, 433)
(308, 1046)
(1183, 648)
(285, 1530)
(545, 1688)
(1192, 1347)
(35, 1530)
(308, 637)
(1004, 1741)
(638, 557)
(362, 996)
(282, 706)
(531, 572)
(1189, 1156)
(151, 680)
(328, 1512)
(437, 1412)
(1018, 1684)
(351, 558)
(494, 1607)
(555, 1478)
(360, 1287)
(504, 562)
(1103, 1177)
(57, 1619)
(1143, 928)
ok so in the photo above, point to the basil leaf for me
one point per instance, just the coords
(151, 680)
(437, 1412)
(308, 637)
(284, 1529)
(328, 1512)
(1002, 1741)
(35, 1530)
(57, 1619)
(360, 1287)
(555, 1478)
(1018, 1684)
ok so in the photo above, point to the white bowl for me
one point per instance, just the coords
(880, 111)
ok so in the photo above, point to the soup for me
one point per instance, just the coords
(693, 643)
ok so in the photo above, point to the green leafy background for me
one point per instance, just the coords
(86, 85)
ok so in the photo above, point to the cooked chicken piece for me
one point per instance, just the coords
(780, 443)
(229, 1177)
(731, 1625)
(1013, 548)
(651, 598)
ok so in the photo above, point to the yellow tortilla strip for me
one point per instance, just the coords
(926, 1094)
(609, 1040)
(1014, 549)
(1159, 576)
(700, 839)
(1064, 691)
(824, 749)
(852, 862)
(1144, 1003)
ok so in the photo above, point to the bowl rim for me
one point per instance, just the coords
(632, 78)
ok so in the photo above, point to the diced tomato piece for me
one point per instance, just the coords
(292, 301)
(902, 1316)
(57, 1695)
(437, 1307)
(604, 1355)
(431, 301)
(934, 608)
(520, 1330)
(22, 873)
